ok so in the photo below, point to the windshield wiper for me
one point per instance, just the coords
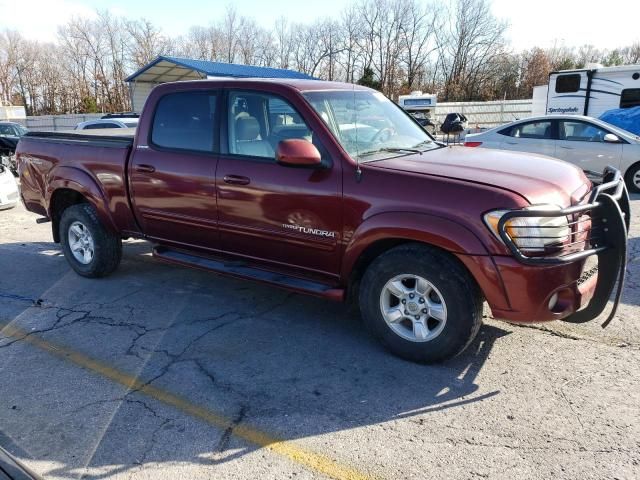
(390, 150)
(423, 143)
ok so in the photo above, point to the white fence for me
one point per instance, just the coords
(482, 115)
(57, 122)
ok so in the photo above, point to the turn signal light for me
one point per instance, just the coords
(472, 144)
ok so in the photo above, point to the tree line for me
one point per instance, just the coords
(457, 50)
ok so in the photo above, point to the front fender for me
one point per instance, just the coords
(80, 181)
(433, 230)
(430, 229)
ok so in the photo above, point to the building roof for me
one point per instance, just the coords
(171, 69)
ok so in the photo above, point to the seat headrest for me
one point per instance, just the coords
(247, 128)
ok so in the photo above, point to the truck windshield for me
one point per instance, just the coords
(368, 125)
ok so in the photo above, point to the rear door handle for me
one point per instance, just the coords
(236, 180)
(145, 168)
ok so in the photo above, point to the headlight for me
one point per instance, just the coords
(532, 233)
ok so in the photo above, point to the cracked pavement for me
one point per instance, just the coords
(539, 401)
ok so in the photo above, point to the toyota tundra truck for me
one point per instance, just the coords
(332, 190)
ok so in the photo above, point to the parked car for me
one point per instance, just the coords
(8, 189)
(12, 130)
(121, 115)
(268, 180)
(10, 134)
(108, 123)
(586, 142)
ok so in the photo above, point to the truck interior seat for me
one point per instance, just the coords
(248, 139)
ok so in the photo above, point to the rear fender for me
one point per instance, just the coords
(78, 180)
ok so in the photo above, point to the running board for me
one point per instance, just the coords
(240, 269)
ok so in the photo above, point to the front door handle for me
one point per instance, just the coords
(236, 180)
(145, 168)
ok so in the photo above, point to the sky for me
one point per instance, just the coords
(543, 23)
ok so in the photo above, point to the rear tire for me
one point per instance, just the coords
(91, 249)
(420, 303)
(632, 178)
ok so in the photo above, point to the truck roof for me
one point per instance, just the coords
(302, 85)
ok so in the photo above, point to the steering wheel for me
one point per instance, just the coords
(380, 136)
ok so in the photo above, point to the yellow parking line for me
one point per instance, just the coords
(313, 461)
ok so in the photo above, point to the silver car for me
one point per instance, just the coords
(108, 123)
(584, 141)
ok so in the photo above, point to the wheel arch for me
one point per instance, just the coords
(385, 231)
(69, 186)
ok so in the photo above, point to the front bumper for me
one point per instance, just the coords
(551, 287)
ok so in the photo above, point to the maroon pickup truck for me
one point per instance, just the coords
(332, 190)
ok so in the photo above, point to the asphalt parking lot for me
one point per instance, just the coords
(161, 372)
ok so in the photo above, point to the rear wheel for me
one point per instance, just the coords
(91, 249)
(632, 178)
(420, 303)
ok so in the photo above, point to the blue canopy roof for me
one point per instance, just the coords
(173, 67)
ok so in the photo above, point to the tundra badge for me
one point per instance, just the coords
(309, 230)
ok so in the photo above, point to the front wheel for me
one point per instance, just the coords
(632, 178)
(420, 303)
(91, 249)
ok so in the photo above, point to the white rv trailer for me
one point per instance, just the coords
(422, 106)
(593, 91)
(418, 102)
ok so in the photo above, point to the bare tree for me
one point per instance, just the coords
(455, 50)
(146, 42)
(467, 46)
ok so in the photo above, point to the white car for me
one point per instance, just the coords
(8, 189)
(108, 123)
(584, 141)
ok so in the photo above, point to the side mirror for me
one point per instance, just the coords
(611, 138)
(296, 152)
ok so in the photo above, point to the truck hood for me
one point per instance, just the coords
(537, 178)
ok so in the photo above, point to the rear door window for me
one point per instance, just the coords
(630, 97)
(568, 83)
(537, 130)
(185, 121)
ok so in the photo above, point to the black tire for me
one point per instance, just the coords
(458, 290)
(107, 245)
(632, 172)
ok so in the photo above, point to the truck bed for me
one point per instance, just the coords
(95, 163)
(115, 137)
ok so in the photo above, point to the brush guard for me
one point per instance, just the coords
(608, 213)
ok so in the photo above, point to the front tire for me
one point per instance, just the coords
(632, 178)
(91, 249)
(420, 303)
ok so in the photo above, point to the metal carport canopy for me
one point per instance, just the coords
(171, 69)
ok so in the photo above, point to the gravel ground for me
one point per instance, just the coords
(161, 372)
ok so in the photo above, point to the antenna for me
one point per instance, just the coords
(355, 127)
